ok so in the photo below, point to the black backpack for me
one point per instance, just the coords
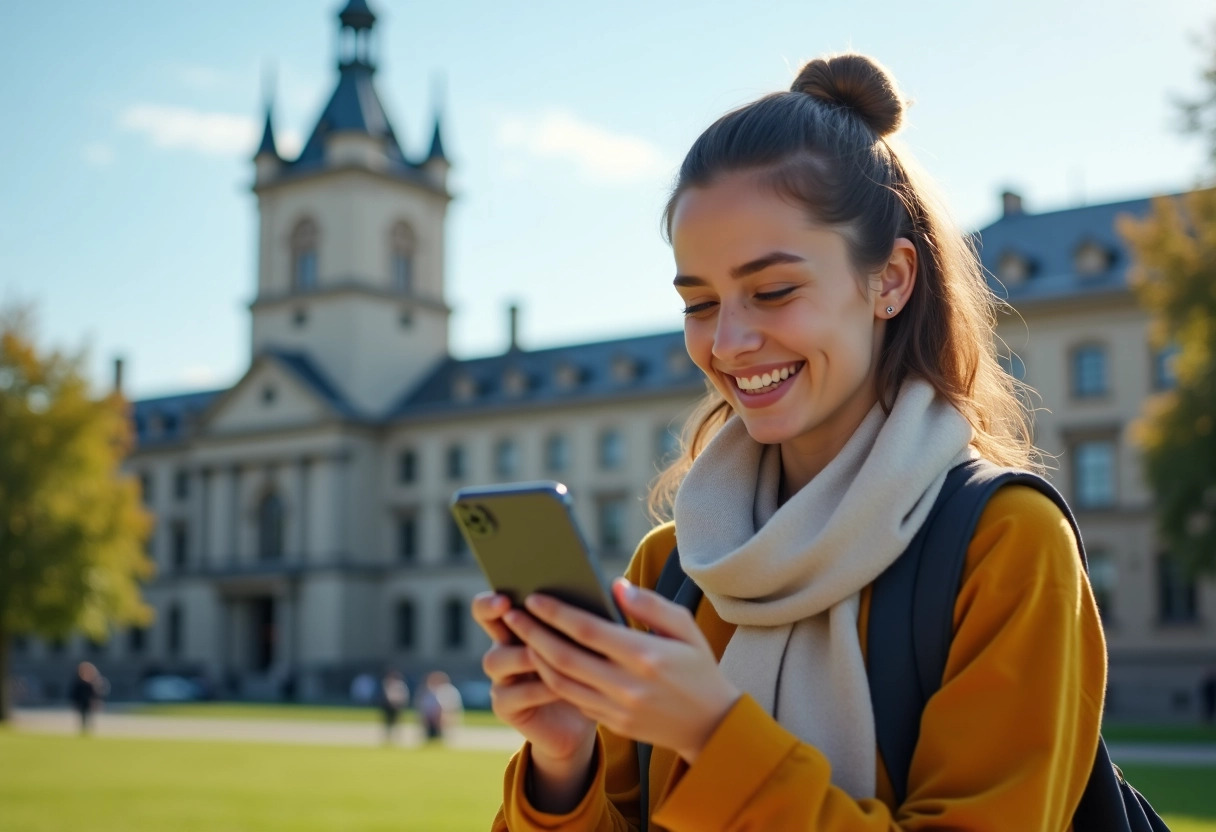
(910, 629)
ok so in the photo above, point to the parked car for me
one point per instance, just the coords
(170, 688)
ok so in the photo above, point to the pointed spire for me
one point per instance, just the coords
(357, 15)
(436, 151)
(267, 144)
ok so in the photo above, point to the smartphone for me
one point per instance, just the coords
(526, 540)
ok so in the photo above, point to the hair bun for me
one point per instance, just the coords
(857, 82)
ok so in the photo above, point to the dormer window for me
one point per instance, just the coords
(1092, 258)
(464, 388)
(624, 369)
(1013, 268)
(678, 362)
(304, 256)
(567, 376)
(515, 382)
(403, 244)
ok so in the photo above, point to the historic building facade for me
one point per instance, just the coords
(302, 532)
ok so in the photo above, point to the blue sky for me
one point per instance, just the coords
(126, 215)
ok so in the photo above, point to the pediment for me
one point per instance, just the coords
(269, 397)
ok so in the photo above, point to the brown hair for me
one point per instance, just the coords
(824, 146)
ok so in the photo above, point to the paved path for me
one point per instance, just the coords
(299, 732)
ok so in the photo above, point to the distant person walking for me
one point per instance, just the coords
(86, 692)
(394, 694)
(439, 705)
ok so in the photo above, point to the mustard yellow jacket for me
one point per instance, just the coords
(1006, 744)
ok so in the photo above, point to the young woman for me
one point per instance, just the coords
(846, 332)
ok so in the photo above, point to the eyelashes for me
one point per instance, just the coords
(777, 294)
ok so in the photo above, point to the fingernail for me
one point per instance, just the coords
(537, 603)
(630, 591)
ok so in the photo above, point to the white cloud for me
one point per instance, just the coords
(199, 375)
(199, 131)
(600, 154)
(98, 155)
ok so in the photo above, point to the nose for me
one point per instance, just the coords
(735, 334)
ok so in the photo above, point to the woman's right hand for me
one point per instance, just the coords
(562, 739)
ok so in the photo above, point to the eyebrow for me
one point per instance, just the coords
(773, 258)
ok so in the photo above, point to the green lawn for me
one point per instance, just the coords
(52, 783)
(1184, 795)
(1142, 732)
(257, 710)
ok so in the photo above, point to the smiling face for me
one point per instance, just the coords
(776, 316)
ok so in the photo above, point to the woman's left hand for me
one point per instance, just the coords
(662, 687)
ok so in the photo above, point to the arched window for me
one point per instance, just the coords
(402, 249)
(304, 256)
(270, 527)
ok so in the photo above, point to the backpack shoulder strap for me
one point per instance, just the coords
(673, 585)
(911, 622)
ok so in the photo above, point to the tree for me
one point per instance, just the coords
(1175, 278)
(71, 523)
(1174, 274)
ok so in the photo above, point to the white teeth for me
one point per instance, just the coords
(765, 379)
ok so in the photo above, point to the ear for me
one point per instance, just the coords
(896, 280)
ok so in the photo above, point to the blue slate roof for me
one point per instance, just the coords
(169, 419)
(354, 106)
(1049, 242)
(593, 368)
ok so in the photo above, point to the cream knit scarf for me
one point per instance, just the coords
(790, 576)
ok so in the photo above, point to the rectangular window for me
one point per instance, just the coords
(457, 548)
(455, 458)
(1176, 592)
(174, 627)
(145, 487)
(1089, 371)
(405, 625)
(407, 466)
(1094, 473)
(180, 544)
(557, 453)
(181, 485)
(1164, 375)
(612, 450)
(455, 616)
(506, 459)
(137, 637)
(611, 522)
(407, 538)
(306, 270)
(667, 445)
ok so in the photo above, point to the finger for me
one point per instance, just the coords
(575, 660)
(511, 699)
(501, 662)
(664, 617)
(611, 640)
(488, 609)
(583, 696)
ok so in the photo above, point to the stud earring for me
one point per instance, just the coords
(890, 310)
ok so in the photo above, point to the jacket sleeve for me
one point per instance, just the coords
(1008, 741)
(611, 801)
